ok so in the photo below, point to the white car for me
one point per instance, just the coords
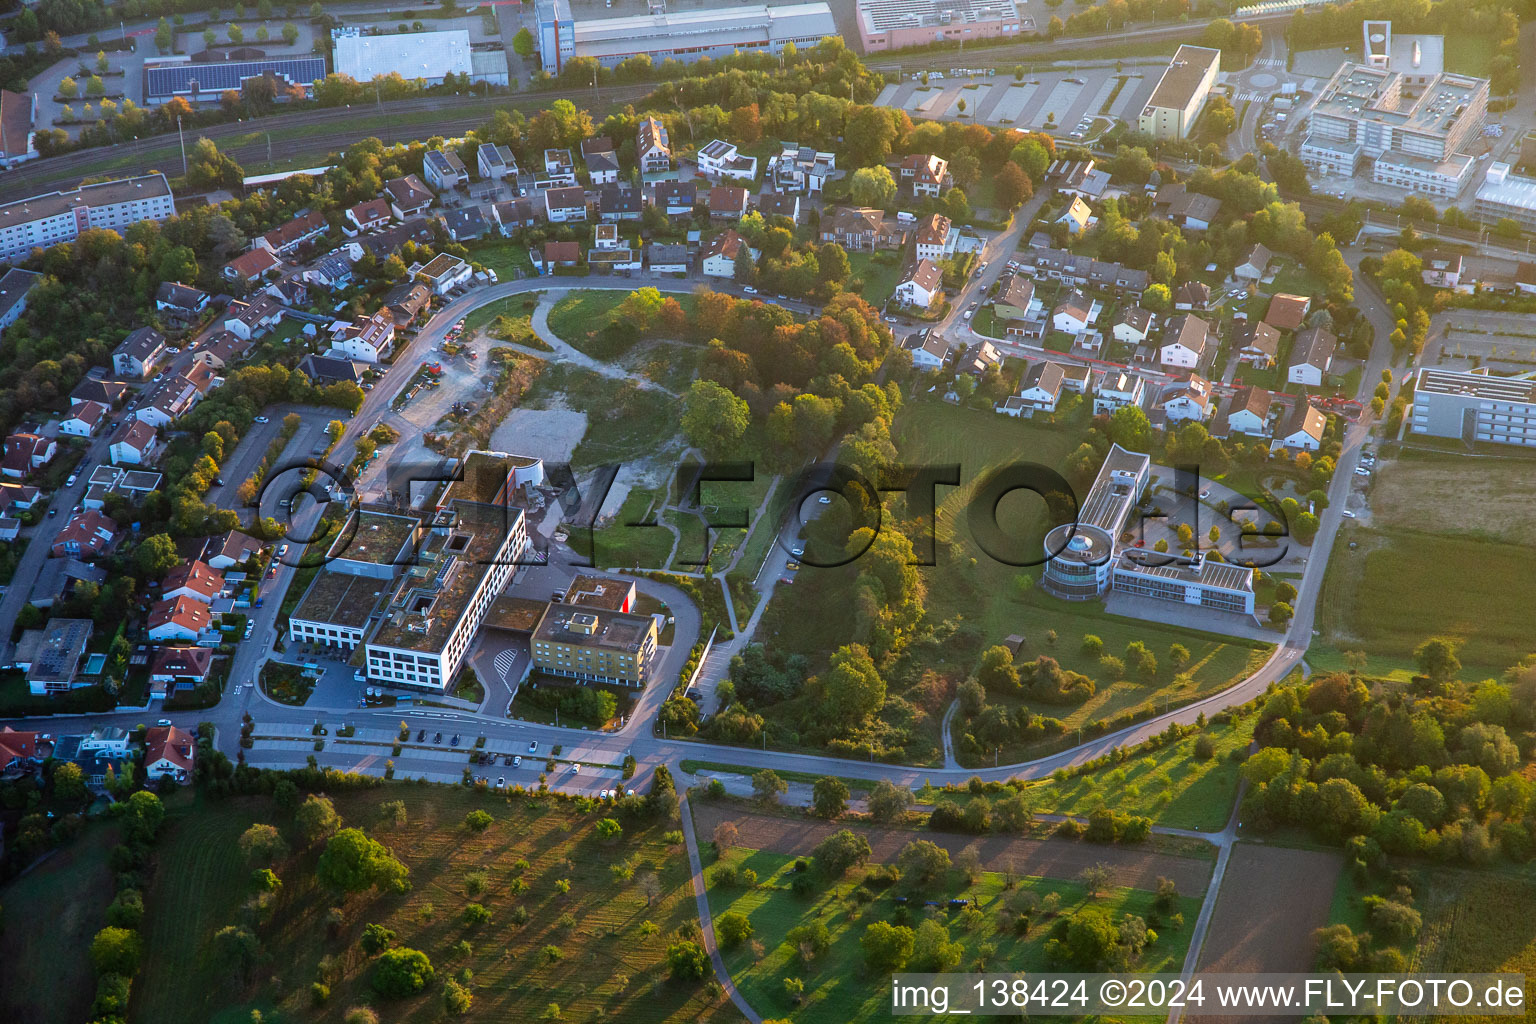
(1348, 514)
(749, 289)
(164, 721)
(968, 314)
(259, 419)
(575, 769)
(282, 551)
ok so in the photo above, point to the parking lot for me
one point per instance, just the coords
(1050, 101)
(1463, 338)
(242, 462)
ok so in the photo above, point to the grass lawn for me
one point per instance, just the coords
(643, 545)
(1292, 280)
(51, 915)
(1480, 499)
(1169, 785)
(603, 962)
(513, 306)
(579, 319)
(507, 258)
(1398, 588)
(838, 985)
(879, 271)
(986, 322)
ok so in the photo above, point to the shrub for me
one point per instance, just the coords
(402, 972)
(456, 998)
(476, 914)
(319, 993)
(376, 939)
(478, 821)
(687, 961)
(733, 928)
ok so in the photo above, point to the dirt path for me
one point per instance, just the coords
(1049, 858)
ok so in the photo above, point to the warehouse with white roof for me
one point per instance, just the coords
(429, 56)
(684, 36)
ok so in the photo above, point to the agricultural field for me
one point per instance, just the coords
(839, 987)
(1477, 922)
(1170, 785)
(1397, 588)
(1272, 899)
(596, 949)
(46, 934)
(1483, 499)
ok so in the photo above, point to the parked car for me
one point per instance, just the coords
(533, 748)
(164, 721)
(258, 419)
(517, 762)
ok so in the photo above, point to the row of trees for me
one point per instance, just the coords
(117, 950)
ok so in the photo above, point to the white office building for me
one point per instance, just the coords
(1414, 130)
(1475, 407)
(1091, 557)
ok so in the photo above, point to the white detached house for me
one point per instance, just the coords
(921, 285)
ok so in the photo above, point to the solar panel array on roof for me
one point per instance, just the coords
(173, 79)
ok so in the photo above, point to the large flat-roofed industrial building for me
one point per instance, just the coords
(893, 24)
(207, 83)
(427, 56)
(46, 220)
(1475, 407)
(684, 36)
(1414, 133)
(1089, 558)
(1176, 100)
(1506, 194)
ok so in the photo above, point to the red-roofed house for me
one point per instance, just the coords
(19, 752)
(375, 213)
(924, 173)
(84, 420)
(87, 533)
(18, 113)
(25, 453)
(194, 579)
(230, 549)
(170, 667)
(169, 752)
(252, 266)
(286, 238)
(178, 619)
